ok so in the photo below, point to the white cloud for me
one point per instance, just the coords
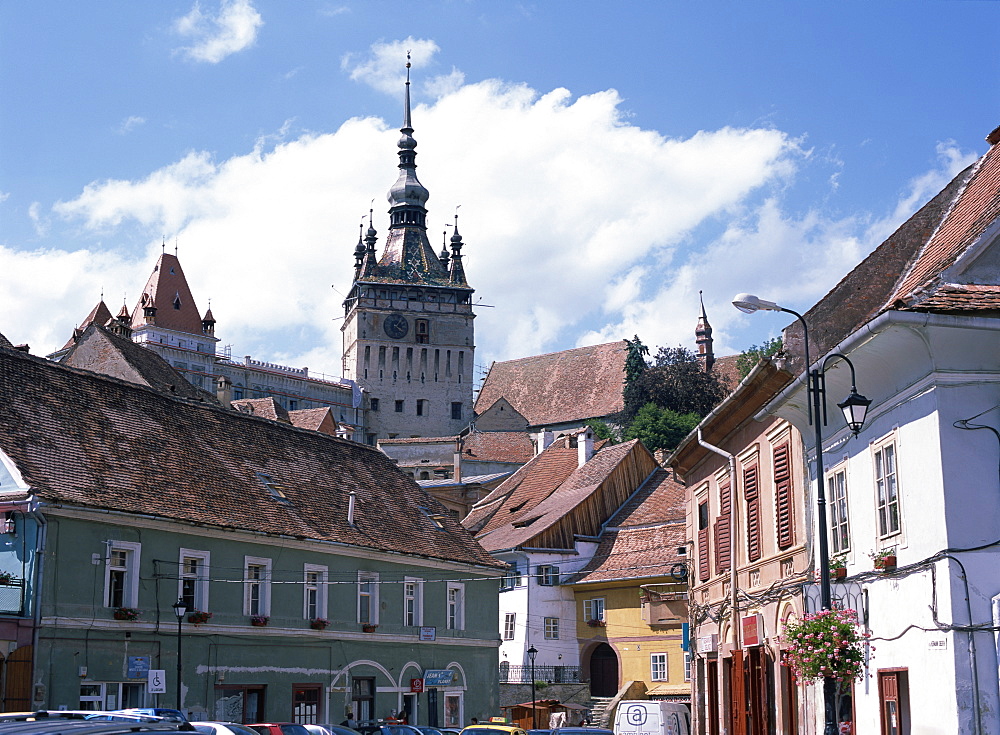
(384, 67)
(130, 123)
(579, 226)
(214, 37)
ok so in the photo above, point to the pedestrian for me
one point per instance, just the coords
(475, 720)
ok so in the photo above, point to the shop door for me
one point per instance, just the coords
(757, 697)
(603, 671)
(713, 697)
(17, 680)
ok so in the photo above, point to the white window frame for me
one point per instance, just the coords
(840, 518)
(455, 606)
(200, 579)
(593, 609)
(879, 450)
(130, 585)
(511, 579)
(413, 601)
(547, 575)
(264, 583)
(687, 666)
(509, 625)
(319, 588)
(550, 628)
(368, 587)
(460, 720)
(659, 669)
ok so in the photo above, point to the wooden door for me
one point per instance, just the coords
(17, 680)
(603, 671)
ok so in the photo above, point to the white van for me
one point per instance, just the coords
(651, 717)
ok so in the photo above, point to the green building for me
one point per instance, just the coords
(315, 578)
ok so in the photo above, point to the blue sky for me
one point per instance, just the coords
(610, 159)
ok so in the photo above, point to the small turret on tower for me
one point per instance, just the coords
(703, 337)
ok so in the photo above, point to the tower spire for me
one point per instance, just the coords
(407, 196)
(703, 337)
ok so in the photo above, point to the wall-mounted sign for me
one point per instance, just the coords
(416, 685)
(437, 677)
(138, 667)
(708, 643)
(753, 630)
(157, 682)
(428, 633)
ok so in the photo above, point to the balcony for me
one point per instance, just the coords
(550, 674)
(12, 597)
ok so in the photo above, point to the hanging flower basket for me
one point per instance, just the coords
(6, 578)
(259, 620)
(827, 643)
(319, 623)
(369, 627)
(197, 617)
(596, 623)
(126, 613)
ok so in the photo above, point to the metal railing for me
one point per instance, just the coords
(548, 674)
(12, 596)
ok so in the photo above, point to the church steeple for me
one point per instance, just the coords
(408, 196)
(703, 337)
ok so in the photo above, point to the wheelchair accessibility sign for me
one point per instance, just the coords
(157, 682)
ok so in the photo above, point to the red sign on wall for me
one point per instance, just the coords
(416, 685)
(753, 630)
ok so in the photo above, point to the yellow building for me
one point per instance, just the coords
(631, 599)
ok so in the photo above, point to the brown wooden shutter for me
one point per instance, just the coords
(704, 567)
(751, 487)
(723, 555)
(783, 500)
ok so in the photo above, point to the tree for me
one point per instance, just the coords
(749, 358)
(677, 381)
(602, 430)
(661, 428)
(635, 366)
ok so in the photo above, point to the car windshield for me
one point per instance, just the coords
(293, 730)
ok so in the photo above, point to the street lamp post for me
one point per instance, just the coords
(532, 652)
(855, 407)
(179, 610)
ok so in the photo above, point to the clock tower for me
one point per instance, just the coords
(408, 332)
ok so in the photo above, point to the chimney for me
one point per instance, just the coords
(351, 500)
(544, 439)
(457, 461)
(224, 390)
(585, 446)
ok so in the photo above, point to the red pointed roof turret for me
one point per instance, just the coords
(167, 297)
(99, 315)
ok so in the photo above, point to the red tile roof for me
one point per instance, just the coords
(167, 290)
(99, 315)
(267, 408)
(498, 446)
(560, 387)
(314, 419)
(641, 540)
(82, 439)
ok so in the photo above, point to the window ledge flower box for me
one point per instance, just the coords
(597, 623)
(198, 617)
(319, 623)
(6, 578)
(369, 627)
(259, 621)
(126, 613)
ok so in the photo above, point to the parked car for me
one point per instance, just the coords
(648, 717)
(539, 732)
(89, 722)
(581, 730)
(381, 728)
(429, 730)
(330, 730)
(278, 728)
(174, 715)
(491, 729)
(222, 728)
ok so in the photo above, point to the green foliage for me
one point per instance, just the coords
(677, 381)
(827, 643)
(661, 428)
(749, 358)
(635, 366)
(602, 430)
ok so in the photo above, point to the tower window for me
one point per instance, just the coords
(177, 302)
(421, 406)
(456, 410)
(373, 404)
(422, 329)
(399, 406)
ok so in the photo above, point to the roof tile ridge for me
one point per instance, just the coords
(894, 295)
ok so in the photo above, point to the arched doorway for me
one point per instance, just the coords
(603, 671)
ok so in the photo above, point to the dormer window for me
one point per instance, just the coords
(177, 302)
(273, 488)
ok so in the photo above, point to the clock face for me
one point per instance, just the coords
(396, 326)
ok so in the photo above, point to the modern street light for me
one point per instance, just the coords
(532, 652)
(855, 408)
(179, 610)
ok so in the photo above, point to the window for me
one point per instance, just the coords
(687, 666)
(399, 406)
(256, 586)
(456, 410)
(314, 591)
(121, 581)
(593, 609)
(421, 407)
(363, 698)
(658, 667)
(373, 404)
(413, 602)
(453, 710)
(723, 538)
(836, 496)
(306, 704)
(508, 626)
(368, 598)
(456, 606)
(550, 628)
(704, 565)
(887, 492)
(511, 579)
(784, 509)
(751, 490)
(193, 583)
(547, 575)
(422, 330)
